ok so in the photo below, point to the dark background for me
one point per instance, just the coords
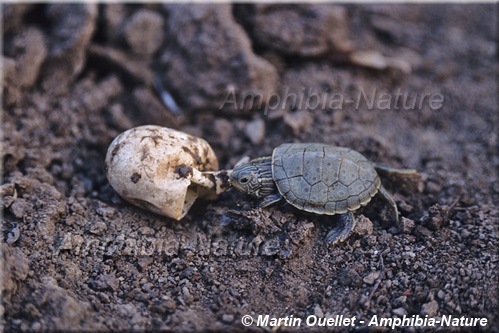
(77, 257)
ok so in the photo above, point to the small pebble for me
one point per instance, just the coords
(146, 231)
(224, 130)
(430, 309)
(98, 228)
(20, 207)
(433, 187)
(144, 32)
(465, 233)
(371, 277)
(407, 225)
(104, 298)
(164, 306)
(437, 216)
(13, 234)
(227, 318)
(255, 131)
(409, 254)
(299, 121)
(424, 231)
(318, 311)
(399, 312)
(147, 287)
(364, 226)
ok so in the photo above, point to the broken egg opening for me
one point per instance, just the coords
(163, 170)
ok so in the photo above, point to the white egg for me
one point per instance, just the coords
(163, 170)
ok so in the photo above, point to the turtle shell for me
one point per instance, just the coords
(323, 179)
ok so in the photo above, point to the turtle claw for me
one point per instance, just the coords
(344, 228)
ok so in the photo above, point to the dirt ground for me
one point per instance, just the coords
(76, 257)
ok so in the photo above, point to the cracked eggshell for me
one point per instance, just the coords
(151, 167)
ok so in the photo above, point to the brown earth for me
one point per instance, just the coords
(77, 257)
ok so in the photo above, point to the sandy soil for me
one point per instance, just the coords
(77, 257)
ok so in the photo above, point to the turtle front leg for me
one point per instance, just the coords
(270, 199)
(344, 228)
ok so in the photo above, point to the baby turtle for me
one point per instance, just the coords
(316, 178)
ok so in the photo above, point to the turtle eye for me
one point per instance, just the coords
(244, 180)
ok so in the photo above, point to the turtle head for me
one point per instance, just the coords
(254, 177)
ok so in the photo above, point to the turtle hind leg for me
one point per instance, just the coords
(344, 228)
(381, 168)
(391, 202)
